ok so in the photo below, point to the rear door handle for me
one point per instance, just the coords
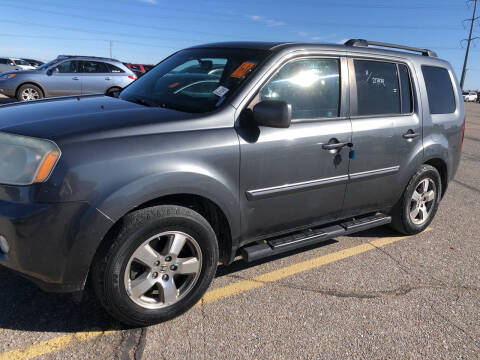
(410, 134)
(76, 78)
(333, 146)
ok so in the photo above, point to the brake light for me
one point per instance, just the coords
(133, 77)
(463, 132)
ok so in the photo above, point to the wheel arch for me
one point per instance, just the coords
(29, 82)
(442, 169)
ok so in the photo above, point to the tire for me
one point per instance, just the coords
(402, 213)
(117, 268)
(29, 92)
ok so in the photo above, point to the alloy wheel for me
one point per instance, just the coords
(422, 201)
(163, 270)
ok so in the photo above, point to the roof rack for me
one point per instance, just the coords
(86, 56)
(366, 43)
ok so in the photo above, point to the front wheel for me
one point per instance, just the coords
(159, 264)
(419, 203)
(29, 92)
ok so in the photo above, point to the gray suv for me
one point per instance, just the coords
(223, 151)
(66, 75)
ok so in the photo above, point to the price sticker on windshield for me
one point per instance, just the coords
(242, 70)
(220, 91)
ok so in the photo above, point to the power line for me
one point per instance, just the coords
(469, 40)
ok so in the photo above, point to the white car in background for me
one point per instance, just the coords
(470, 96)
(12, 64)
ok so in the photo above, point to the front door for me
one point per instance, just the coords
(64, 79)
(386, 134)
(287, 179)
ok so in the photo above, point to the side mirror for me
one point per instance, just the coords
(273, 113)
(49, 72)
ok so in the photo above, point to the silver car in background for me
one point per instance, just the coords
(67, 75)
(12, 64)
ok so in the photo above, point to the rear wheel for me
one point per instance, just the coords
(29, 92)
(159, 265)
(419, 202)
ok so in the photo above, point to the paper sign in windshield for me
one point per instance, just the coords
(242, 70)
(220, 91)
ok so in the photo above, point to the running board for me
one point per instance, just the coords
(301, 239)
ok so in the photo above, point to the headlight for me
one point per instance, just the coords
(25, 160)
(7, 76)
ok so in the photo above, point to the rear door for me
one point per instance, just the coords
(386, 133)
(96, 77)
(287, 179)
(64, 79)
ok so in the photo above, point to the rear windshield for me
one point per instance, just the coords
(195, 80)
(441, 97)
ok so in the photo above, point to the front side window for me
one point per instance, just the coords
(310, 86)
(195, 80)
(377, 87)
(67, 67)
(441, 98)
(94, 67)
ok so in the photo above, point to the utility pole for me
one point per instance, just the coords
(469, 40)
(111, 42)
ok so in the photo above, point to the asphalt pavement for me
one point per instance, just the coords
(372, 295)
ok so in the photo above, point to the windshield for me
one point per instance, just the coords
(48, 64)
(195, 80)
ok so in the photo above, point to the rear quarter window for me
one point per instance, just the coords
(441, 98)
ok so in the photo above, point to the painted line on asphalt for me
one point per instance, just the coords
(59, 343)
(261, 280)
(51, 345)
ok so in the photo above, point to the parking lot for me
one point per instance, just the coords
(372, 295)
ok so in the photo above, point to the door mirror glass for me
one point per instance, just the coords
(273, 113)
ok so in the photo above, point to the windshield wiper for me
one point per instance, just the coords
(144, 102)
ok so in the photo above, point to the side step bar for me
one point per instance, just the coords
(301, 239)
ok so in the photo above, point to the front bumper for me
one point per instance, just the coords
(52, 244)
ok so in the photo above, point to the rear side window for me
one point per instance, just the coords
(441, 98)
(377, 87)
(114, 69)
(94, 67)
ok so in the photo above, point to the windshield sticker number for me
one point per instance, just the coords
(220, 91)
(242, 70)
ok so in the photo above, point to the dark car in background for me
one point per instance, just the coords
(67, 75)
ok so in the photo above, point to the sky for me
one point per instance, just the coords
(146, 31)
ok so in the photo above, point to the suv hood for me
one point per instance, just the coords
(93, 116)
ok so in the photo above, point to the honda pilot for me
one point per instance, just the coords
(221, 152)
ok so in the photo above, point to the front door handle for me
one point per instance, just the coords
(410, 134)
(75, 78)
(107, 78)
(333, 146)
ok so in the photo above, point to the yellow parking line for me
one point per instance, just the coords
(245, 285)
(51, 345)
(58, 343)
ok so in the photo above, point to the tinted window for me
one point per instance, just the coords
(405, 88)
(310, 86)
(3, 61)
(67, 67)
(441, 98)
(377, 87)
(94, 67)
(114, 69)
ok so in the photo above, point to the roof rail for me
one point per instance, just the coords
(366, 43)
(86, 56)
